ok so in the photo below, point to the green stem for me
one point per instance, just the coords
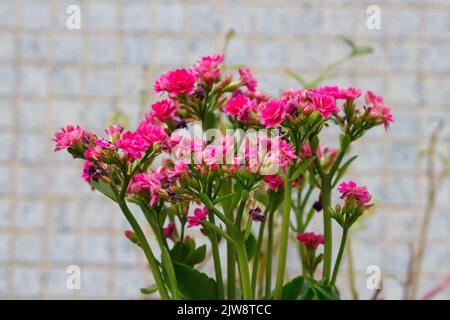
(216, 258)
(146, 248)
(339, 256)
(244, 271)
(258, 250)
(231, 261)
(241, 251)
(327, 229)
(284, 239)
(268, 285)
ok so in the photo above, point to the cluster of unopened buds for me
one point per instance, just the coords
(230, 158)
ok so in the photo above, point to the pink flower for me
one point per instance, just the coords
(351, 190)
(207, 68)
(274, 182)
(373, 100)
(68, 137)
(151, 133)
(239, 106)
(176, 82)
(86, 177)
(150, 182)
(248, 79)
(377, 110)
(114, 131)
(199, 215)
(325, 104)
(273, 113)
(164, 109)
(306, 151)
(92, 171)
(212, 155)
(105, 144)
(179, 168)
(94, 153)
(133, 144)
(350, 93)
(310, 240)
(386, 116)
(287, 152)
(168, 231)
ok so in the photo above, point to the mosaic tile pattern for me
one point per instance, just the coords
(50, 76)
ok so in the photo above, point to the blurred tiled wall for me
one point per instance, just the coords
(51, 76)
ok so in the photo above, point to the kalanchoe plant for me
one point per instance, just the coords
(229, 183)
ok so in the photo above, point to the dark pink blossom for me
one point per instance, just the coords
(239, 106)
(176, 82)
(164, 109)
(114, 131)
(272, 113)
(310, 240)
(248, 79)
(133, 144)
(360, 193)
(207, 68)
(199, 215)
(151, 133)
(274, 182)
(105, 144)
(149, 181)
(168, 231)
(325, 104)
(68, 137)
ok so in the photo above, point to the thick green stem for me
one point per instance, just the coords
(284, 239)
(147, 250)
(327, 229)
(216, 258)
(339, 256)
(231, 262)
(241, 252)
(231, 271)
(268, 286)
(244, 271)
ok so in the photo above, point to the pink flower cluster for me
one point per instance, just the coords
(207, 68)
(310, 240)
(377, 109)
(199, 215)
(149, 182)
(70, 136)
(351, 191)
(176, 82)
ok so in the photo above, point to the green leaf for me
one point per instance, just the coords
(303, 288)
(323, 292)
(362, 51)
(196, 256)
(347, 41)
(104, 188)
(193, 284)
(342, 170)
(296, 77)
(185, 252)
(149, 290)
(295, 288)
(250, 246)
(302, 168)
(169, 272)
